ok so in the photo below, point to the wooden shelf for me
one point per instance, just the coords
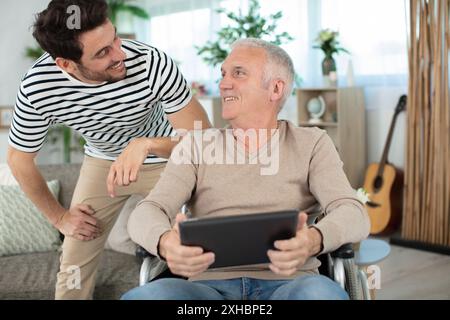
(345, 122)
(321, 124)
(319, 89)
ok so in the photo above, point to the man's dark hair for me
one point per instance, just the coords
(53, 34)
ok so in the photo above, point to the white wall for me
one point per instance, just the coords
(16, 19)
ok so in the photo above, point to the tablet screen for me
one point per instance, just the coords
(239, 239)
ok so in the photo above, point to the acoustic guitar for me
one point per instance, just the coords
(384, 183)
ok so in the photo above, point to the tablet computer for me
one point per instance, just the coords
(239, 239)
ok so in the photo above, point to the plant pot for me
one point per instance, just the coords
(329, 72)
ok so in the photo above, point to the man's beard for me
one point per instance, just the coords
(100, 76)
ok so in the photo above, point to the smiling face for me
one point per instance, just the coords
(102, 58)
(241, 88)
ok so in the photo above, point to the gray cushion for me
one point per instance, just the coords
(67, 176)
(33, 276)
(23, 228)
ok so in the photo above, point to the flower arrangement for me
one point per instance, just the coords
(362, 195)
(328, 42)
(198, 89)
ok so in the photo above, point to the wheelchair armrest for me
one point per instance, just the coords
(344, 252)
(142, 253)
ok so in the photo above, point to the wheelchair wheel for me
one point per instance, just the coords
(352, 281)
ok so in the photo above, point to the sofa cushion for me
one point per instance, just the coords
(23, 229)
(6, 176)
(33, 276)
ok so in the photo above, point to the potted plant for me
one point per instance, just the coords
(124, 6)
(251, 25)
(328, 42)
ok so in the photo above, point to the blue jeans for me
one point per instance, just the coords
(310, 287)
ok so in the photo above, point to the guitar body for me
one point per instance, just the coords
(386, 198)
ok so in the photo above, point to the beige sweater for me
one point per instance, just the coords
(309, 171)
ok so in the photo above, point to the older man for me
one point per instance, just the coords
(256, 80)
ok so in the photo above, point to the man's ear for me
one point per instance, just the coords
(65, 64)
(277, 90)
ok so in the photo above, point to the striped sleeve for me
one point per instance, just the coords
(28, 128)
(174, 92)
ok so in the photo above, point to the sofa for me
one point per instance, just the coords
(33, 275)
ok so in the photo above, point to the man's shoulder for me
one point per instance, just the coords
(135, 47)
(43, 68)
(305, 134)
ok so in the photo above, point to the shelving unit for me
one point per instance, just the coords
(345, 122)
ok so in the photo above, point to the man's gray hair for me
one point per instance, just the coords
(279, 64)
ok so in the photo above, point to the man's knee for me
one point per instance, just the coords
(162, 289)
(315, 287)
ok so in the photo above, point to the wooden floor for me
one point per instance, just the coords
(414, 274)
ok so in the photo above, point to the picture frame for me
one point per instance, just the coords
(6, 115)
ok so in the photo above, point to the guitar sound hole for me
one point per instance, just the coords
(377, 183)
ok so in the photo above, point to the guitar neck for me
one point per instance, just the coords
(387, 146)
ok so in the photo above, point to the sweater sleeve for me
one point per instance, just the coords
(346, 220)
(156, 214)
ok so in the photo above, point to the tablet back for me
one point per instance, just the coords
(239, 239)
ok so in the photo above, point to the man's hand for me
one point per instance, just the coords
(294, 252)
(78, 223)
(126, 167)
(186, 261)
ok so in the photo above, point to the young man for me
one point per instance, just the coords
(256, 80)
(124, 97)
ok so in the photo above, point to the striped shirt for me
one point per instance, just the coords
(107, 115)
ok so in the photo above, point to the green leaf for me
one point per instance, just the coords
(33, 53)
(116, 6)
(242, 25)
(136, 11)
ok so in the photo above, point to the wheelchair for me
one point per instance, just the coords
(338, 265)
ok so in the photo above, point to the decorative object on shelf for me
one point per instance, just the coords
(6, 114)
(348, 131)
(198, 89)
(316, 108)
(334, 116)
(327, 41)
(362, 195)
(251, 25)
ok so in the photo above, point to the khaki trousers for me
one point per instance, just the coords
(79, 259)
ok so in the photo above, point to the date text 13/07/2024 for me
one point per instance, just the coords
(226, 309)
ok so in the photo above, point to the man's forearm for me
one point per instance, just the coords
(36, 189)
